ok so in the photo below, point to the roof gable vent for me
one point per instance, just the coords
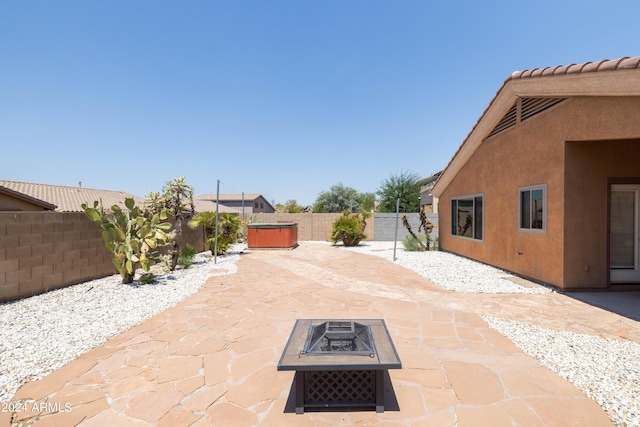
(523, 109)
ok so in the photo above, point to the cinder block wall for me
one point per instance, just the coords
(317, 226)
(42, 251)
(311, 226)
(385, 225)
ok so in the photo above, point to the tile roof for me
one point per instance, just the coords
(67, 199)
(210, 206)
(229, 197)
(542, 75)
(624, 63)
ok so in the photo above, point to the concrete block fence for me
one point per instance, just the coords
(385, 225)
(42, 251)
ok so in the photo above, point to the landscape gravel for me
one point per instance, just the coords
(449, 271)
(41, 334)
(606, 370)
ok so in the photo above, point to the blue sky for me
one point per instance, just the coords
(282, 98)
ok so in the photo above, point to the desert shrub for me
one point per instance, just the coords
(147, 278)
(186, 255)
(349, 228)
(412, 244)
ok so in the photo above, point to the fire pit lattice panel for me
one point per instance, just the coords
(331, 387)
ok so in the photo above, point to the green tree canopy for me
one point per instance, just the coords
(406, 187)
(290, 206)
(338, 199)
(368, 201)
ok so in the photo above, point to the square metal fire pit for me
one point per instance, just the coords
(339, 362)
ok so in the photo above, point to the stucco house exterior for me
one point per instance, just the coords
(547, 183)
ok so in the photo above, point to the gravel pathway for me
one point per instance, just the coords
(40, 334)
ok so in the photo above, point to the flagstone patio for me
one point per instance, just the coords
(211, 360)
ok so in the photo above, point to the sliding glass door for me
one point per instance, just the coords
(624, 233)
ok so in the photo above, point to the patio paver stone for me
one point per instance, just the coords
(211, 360)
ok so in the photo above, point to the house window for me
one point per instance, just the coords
(467, 216)
(533, 207)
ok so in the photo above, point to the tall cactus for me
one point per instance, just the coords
(130, 236)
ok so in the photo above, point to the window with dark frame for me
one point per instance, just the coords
(467, 216)
(533, 207)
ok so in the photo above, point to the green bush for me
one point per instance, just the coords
(411, 244)
(230, 230)
(147, 278)
(349, 228)
(185, 257)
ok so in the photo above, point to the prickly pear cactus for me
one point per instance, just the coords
(130, 236)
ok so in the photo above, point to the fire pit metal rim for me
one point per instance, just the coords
(385, 357)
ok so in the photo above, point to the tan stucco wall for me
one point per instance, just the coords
(533, 153)
(586, 205)
(10, 203)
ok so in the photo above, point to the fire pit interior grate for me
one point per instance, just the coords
(339, 337)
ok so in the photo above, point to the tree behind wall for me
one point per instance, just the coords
(404, 186)
(338, 199)
(290, 206)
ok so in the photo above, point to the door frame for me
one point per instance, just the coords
(611, 183)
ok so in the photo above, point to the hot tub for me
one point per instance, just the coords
(272, 236)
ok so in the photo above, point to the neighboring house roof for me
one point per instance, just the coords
(545, 87)
(248, 198)
(230, 197)
(210, 206)
(66, 199)
(12, 193)
(427, 183)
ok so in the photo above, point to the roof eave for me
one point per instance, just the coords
(568, 85)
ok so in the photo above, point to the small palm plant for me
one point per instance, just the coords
(349, 228)
(230, 230)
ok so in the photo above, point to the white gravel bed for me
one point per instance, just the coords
(449, 271)
(606, 370)
(40, 334)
